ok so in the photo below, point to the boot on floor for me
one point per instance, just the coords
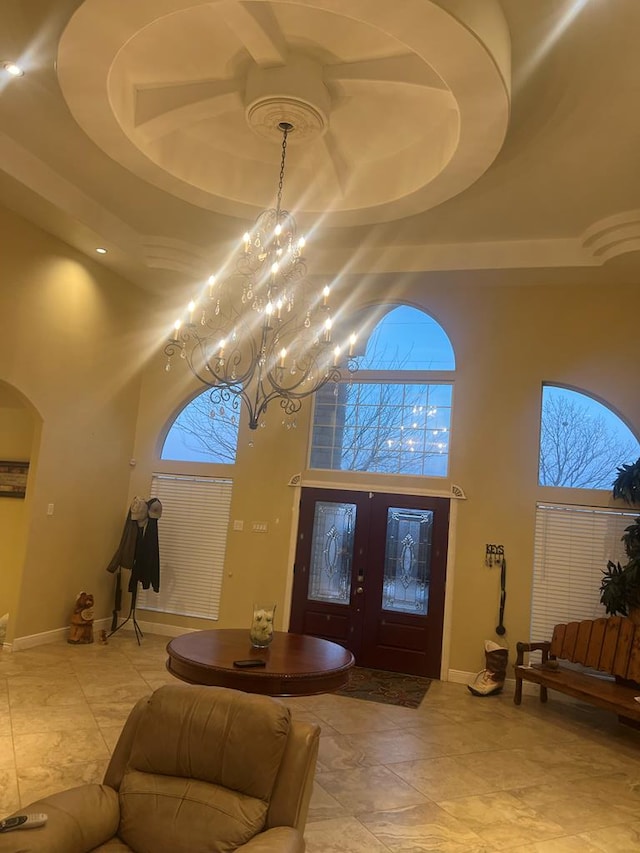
(491, 679)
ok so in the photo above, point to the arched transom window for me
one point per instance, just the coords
(202, 432)
(394, 416)
(582, 441)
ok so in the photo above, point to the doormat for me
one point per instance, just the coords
(390, 688)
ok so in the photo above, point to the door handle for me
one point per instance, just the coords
(360, 590)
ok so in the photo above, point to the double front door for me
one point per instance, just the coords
(370, 574)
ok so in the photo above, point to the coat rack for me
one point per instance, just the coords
(137, 551)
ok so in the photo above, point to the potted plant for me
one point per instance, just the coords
(620, 587)
(627, 483)
(631, 540)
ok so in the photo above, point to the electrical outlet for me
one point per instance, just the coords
(259, 526)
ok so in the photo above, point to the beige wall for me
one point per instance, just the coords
(76, 339)
(67, 348)
(508, 341)
(256, 565)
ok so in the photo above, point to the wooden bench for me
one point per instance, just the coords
(609, 645)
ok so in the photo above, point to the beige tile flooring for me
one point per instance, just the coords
(460, 773)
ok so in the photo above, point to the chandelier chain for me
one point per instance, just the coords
(285, 130)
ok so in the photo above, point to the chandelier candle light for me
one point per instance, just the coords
(262, 333)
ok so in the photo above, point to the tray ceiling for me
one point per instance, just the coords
(452, 136)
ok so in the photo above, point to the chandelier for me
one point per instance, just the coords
(262, 332)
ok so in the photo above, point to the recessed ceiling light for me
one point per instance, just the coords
(101, 251)
(13, 69)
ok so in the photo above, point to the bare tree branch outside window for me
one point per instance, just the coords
(383, 426)
(580, 448)
(207, 430)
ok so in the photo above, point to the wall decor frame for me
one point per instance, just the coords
(13, 479)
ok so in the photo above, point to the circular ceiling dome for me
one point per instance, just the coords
(394, 108)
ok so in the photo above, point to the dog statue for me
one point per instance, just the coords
(81, 629)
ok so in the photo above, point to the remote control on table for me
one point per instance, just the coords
(23, 821)
(249, 663)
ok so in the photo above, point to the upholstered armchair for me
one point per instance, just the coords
(195, 770)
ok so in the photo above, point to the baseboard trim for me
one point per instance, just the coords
(57, 634)
(41, 639)
(158, 628)
(459, 676)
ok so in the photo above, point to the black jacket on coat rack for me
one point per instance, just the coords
(138, 551)
(146, 561)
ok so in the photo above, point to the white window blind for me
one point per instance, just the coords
(192, 537)
(572, 547)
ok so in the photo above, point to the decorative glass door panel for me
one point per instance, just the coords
(370, 574)
(332, 552)
(407, 562)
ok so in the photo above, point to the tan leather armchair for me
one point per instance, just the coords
(195, 770)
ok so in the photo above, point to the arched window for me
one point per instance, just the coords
(394, 417)
(202, 432)
(582, 441)
(408, 339)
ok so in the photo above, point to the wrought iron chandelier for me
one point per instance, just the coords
(262, 333)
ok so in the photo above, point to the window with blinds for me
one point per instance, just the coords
(192, 537)
(572, 547)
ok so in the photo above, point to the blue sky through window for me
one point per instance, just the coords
(582, 441)
(408, 339)
(387, 426)
(203, 431)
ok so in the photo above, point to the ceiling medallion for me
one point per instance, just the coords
(265, 117)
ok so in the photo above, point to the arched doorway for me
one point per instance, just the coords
(19, 439)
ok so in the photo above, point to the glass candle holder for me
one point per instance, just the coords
(262, 625)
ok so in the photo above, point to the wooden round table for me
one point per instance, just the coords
(295, 665)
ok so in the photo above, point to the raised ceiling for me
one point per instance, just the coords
(457, 135)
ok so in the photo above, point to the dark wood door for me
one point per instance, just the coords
(370, 574)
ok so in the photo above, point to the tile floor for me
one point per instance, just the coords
(460, 773)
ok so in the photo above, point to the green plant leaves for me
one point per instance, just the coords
(620, 587)
(626, 485)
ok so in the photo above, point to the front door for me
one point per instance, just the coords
(370, 574)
